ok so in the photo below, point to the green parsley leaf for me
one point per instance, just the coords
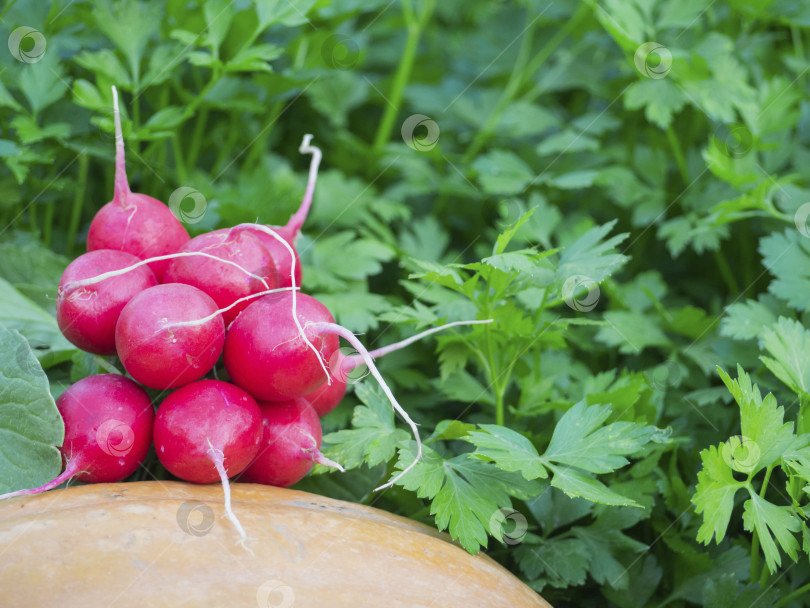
(714, 495)
(373, 438)
(772, 523)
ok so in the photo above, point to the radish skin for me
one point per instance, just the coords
(157, 352)
(225, 283)
(87, 316)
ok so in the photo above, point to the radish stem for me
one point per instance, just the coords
(299, 217)
(121, 189)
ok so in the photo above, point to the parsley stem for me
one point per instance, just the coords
(792, 596)
(725, 272)
(403, 73)
(677, 151)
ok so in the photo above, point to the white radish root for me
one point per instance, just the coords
(218, 458)
(333, 328)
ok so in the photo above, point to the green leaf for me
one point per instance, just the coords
(255, 58)
(764, 432)
(788, 343)
(509, 450)
(746, 320)
(30, 425)
(579, 440)
(450, 429)
(285, 12)
(502, 172)
(345, 256)
(631, 332)
(33, 270)
(373, 438)
(577, 484)
(355, 309)
(39, 327)
(105, 62)
(608, 546)
(130, 24)
(563, 562)
(659, 97)
(714, 495)
(772, 523)
(218, 16)
(508, 233)
(592, 256)
(787, 258)
(467, 495)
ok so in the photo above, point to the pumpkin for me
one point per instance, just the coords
(156, 544)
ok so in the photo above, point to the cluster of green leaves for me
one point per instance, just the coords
(630, 216)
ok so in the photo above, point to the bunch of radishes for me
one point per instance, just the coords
(169, 307)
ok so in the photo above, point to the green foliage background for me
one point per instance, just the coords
(619, 184)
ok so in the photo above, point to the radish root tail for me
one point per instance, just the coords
(218, 458)
(70, 471)
(333, 328)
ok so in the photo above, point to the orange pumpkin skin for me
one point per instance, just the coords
(167, 544)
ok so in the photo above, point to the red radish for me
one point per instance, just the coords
(290, 445)
(87, 314)
(327, 397)
(286, 264)
(201, 412)
(169, 335)
(225, 283)
(265, 352)
(132, 222)
(108, 430)
(207, 431)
